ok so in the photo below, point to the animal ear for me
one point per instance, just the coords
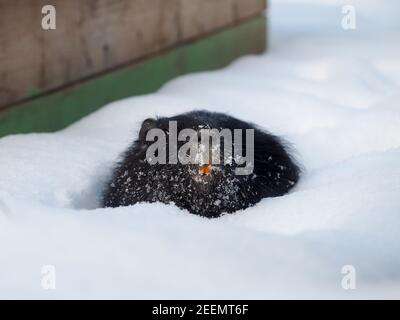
(147, 125)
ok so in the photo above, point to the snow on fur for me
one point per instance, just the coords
(333, 93)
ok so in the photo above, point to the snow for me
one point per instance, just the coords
(333, 93)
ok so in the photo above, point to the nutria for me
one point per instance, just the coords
(205, 189)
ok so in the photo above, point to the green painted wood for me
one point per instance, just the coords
(59, 109)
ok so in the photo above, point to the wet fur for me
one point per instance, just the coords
(134, 180)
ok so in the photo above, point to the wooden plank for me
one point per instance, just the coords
(63, 107)
(93, 36)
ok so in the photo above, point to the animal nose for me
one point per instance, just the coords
(205, 169)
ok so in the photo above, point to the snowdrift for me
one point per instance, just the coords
(333, 93)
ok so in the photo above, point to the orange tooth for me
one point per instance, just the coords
(205, 169)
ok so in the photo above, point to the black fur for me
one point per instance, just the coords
(134, 180)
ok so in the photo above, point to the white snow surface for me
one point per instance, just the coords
(333, 93)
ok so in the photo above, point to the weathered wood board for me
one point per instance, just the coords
(95, 36)
(58, 109)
